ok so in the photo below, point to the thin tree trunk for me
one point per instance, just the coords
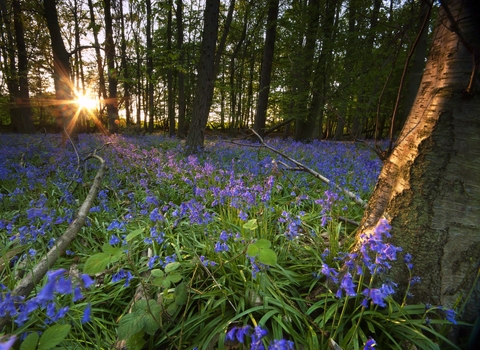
(171, 91)
(112, 107)
(180, 75)
(125, 69)
(267, 64)
(149, 67)
(25, 109)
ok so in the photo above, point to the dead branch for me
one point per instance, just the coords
(312, 172)
(26, 285)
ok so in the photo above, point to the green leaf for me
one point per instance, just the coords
(136, 342)
(181, 294)
(172, 266)
(115, 252)
(157, 273)
(30, 342)
(251, 225)
(159, 281)
(267, 257)
(53, 336)
(128, 326)
(172, 308)
(96, 263)
(174, 277)
(263, 243)
(252, 250)
(134, 234)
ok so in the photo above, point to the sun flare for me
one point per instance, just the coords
(85, 102)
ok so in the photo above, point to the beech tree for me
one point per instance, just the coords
(428, 188)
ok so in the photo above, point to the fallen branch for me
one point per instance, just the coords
(26, 285)
(312, 172)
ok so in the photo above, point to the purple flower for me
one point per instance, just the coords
(87, 314)
(87, 280)
(450, 316)
(347, 285)
(9, 343)
(238, 333)
(114, 240)
(282, 344)
(369, 345)
(77, 294)
(63, 285)
(330, 273)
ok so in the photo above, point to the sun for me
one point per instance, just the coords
(85, 102)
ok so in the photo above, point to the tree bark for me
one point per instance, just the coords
(206, 79)
(267, 64)
(61, 71)
(25, 109)
(112, 107)
(180, 77)
(428, 187)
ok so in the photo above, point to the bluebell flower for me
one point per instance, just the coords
(347, 284)
(9, 343)
(77, 294)
(221, 247)
(114, 240)
(330, 272)
(282, 344)
(87, 314)
(87, 280)
(63, 285)
(238, 333)
(370, 344)
(450, 315)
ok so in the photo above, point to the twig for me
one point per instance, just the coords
(26, 285)
(322, 178)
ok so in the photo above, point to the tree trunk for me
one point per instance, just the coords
(102, 91)
(171, 90)
(25, 109)
(428, 187)
(181, 76)
(61, 71)
(267, 63)
(125, 69)
(112, 108)
(149, 67)
(205, 80)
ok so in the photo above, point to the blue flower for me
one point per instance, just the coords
(330, 273)
(450, 316)
(87, 314)
(347, 285)
(282, 344)
(369, 345)
(114, 240)
(87, 280)
(9, 343)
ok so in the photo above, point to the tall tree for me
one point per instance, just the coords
(25, 109)
(428, 187)
(180, 75)
(267, 64)
(149, 67)
(125, 67)
(170, 71)
(102, 91)
(205, 80)
(112, 103)
(61, 70)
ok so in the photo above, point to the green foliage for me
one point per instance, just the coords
(188, 265)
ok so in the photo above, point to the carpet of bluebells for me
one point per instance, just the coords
(229, 249)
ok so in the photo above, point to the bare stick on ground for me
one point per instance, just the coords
(26, 285)
(312, 172)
